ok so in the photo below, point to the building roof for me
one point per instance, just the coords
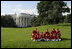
(24, 15)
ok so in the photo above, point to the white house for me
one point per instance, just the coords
(22, 19)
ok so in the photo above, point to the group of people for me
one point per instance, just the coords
(54, 35)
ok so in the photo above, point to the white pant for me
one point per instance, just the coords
(47, 39)
(56, 40)
(37, 40)
(52, 39)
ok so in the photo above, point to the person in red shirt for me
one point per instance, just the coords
(34, 34)
(34, 31)
(58, 35)
(53, 35)
(42, 37)
(47, 35)
(33, 38)
(38, 35)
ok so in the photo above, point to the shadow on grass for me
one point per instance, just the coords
(64, 25)
(65, 39)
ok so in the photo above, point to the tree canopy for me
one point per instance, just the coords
(50, 12)
(7, 21)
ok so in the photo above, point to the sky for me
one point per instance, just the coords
(30, 7)
(69, 5)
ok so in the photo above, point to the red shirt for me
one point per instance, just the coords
(33, 35)
(58, 34)
(33, 38)
(34, 31)
(47, 35)
(53, 35)
(38, 36)
(42, 35)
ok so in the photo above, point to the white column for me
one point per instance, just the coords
(25, 22)
(19, 21)
(16, 21)
(22, 22)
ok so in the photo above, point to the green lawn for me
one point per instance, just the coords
(20, 37)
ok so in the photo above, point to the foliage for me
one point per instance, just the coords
(7, 21)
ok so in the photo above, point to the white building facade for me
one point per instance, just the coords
(23, 19)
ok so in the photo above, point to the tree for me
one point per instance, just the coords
(67, 18)
(52, 10)
(34, 21)
(7, 21)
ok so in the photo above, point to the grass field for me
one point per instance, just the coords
(21, 37)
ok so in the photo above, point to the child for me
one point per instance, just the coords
(42, 37)
(47, 35)
(34, 35)
(58, 35)
(53, 34)
(38, 36)
(35, 31)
